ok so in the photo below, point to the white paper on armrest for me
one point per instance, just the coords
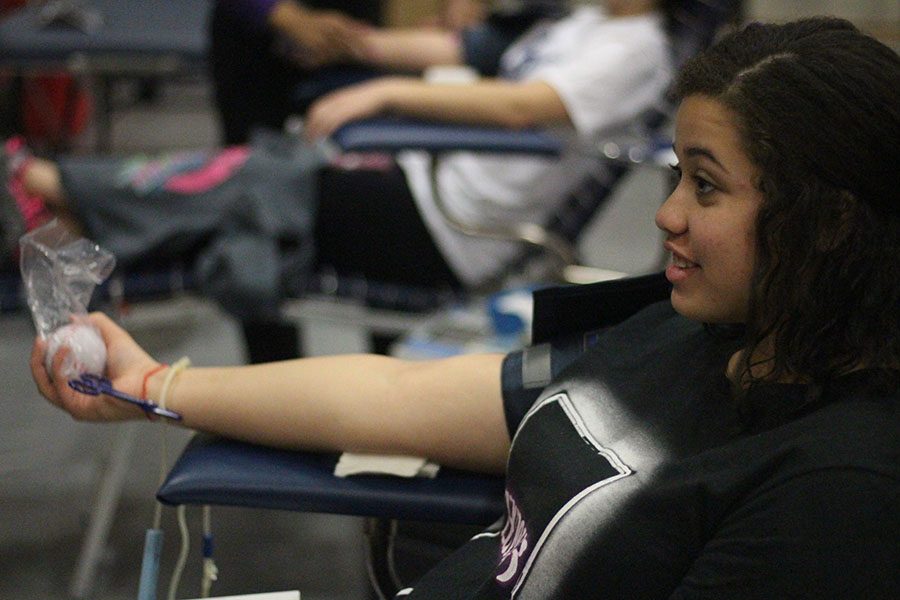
(384, 464)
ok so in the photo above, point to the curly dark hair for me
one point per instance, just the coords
(818, 108)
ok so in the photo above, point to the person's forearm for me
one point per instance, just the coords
(490, 102)
(410, 50)
(288, 16)
(449, 411)
(487, 102)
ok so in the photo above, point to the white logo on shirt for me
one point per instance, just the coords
(513, 541)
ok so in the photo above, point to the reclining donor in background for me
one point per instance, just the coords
(254, 218)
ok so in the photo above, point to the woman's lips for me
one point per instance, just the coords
(680, 268)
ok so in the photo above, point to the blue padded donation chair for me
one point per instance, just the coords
(218, 471)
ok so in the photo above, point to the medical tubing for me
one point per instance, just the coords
(182, 554)
(210, 570)
(163, 462)
(177, 367)
(154, 538)
(153, 542)
(147, 377)
(163, 469)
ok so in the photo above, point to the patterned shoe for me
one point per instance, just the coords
(19, 211)
(16, 155)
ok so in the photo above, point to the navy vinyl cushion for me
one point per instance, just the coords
(393, 135)
(220, 471)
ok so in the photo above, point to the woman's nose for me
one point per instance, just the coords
(669, 217)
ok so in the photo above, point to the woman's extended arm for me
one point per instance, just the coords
(449, 410)
(487, 102)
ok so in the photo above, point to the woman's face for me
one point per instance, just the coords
(709, 219)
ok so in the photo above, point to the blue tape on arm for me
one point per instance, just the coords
(153, 542)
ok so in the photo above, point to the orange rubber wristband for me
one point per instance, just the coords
(150, 374)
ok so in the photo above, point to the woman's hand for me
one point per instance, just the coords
(126, 365)
(351, 103)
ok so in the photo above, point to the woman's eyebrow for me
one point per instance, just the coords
(700, 151)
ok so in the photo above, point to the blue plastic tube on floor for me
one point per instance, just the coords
(153, 542)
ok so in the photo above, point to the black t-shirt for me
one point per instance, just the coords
(634, 475)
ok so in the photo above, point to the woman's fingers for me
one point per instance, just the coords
(39, 372)
(53, 385)
(107, 327)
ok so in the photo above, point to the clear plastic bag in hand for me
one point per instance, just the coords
(60, 271)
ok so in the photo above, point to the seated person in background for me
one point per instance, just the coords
(739, 441)
(584, 74)
(260, 50)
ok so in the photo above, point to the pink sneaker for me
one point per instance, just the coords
(20, 211)
(16, 156)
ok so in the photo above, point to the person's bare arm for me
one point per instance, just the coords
(487, 102)
(322, 37)
(408, 50)
(435, 42)
(450, 411)
(329, 36)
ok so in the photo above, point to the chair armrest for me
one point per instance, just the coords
(393, 135)
(219, 471)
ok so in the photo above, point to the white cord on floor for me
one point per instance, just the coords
(182, 554)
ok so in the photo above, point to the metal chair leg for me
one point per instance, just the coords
(95, 539)
(380, 534)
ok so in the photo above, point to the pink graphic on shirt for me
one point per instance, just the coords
(211, 174)
(513, 543)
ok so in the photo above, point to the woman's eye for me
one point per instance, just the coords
(703, 186)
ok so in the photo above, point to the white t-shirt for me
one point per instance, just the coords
(605, 70)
